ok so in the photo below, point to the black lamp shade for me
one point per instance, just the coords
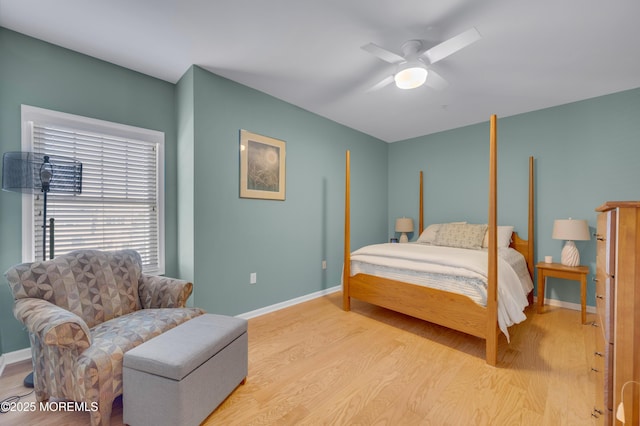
(29, 172)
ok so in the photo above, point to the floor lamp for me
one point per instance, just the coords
(29, 172)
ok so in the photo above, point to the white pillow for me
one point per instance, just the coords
(503, 239)
(428, 236)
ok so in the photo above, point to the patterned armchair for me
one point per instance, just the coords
(83, 311)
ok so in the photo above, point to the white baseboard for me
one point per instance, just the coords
(13, 357)
(566, 305)
(287, 303)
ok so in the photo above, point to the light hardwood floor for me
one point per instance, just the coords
(316, 364)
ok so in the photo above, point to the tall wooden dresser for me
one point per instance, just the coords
(616, 358)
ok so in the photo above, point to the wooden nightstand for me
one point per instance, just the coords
(558, 270)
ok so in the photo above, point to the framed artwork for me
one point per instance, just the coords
(262, 167)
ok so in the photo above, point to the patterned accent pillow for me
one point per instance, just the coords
(428, 236)
(461, 235)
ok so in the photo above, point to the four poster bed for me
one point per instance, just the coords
(398, 277)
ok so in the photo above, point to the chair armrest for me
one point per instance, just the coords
(163, 292)
(54, 325)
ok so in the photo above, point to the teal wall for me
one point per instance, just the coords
(185, 160)
(43, 75)
(586, 153)
(284, 242)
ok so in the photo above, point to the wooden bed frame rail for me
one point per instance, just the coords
(448, 309)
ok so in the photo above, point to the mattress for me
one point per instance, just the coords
(456, 270)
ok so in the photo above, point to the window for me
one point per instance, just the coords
(122, 202)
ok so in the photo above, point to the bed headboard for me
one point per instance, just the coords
(525, 247)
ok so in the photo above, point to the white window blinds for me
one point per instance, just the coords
(120, 205)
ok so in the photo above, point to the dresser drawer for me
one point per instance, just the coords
(600, 373)
(604, 306)
(603, 363)
(606, 243)
(601, 258)
(601, 248)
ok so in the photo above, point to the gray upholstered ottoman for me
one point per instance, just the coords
(182, 375)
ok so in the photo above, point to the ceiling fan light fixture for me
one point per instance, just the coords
(410, 75)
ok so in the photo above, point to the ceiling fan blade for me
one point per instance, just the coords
(435, 81)
(451, 46)
(383, 54)
(386, 81)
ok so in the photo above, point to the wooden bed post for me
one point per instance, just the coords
(492, 283)
(421, 209)
(346, 299)
(530, 230)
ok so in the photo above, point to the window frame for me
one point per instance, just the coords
(30, 114)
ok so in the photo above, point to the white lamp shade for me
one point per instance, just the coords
(404, 224)
(571, 230)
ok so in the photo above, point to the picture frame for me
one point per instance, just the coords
(262, 167)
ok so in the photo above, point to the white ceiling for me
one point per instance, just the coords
(533, 53)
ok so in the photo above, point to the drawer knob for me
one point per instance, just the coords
(594, 324)
(595, 280)
(596, 353)
(599, 296)
(595, 370)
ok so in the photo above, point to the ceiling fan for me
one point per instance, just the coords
(412, 67)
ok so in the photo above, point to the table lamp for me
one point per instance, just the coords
(570, 230)
(404, 225)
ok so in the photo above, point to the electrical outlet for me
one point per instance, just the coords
(324, 264)
(253, 278)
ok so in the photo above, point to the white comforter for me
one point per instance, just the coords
(453, 269)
